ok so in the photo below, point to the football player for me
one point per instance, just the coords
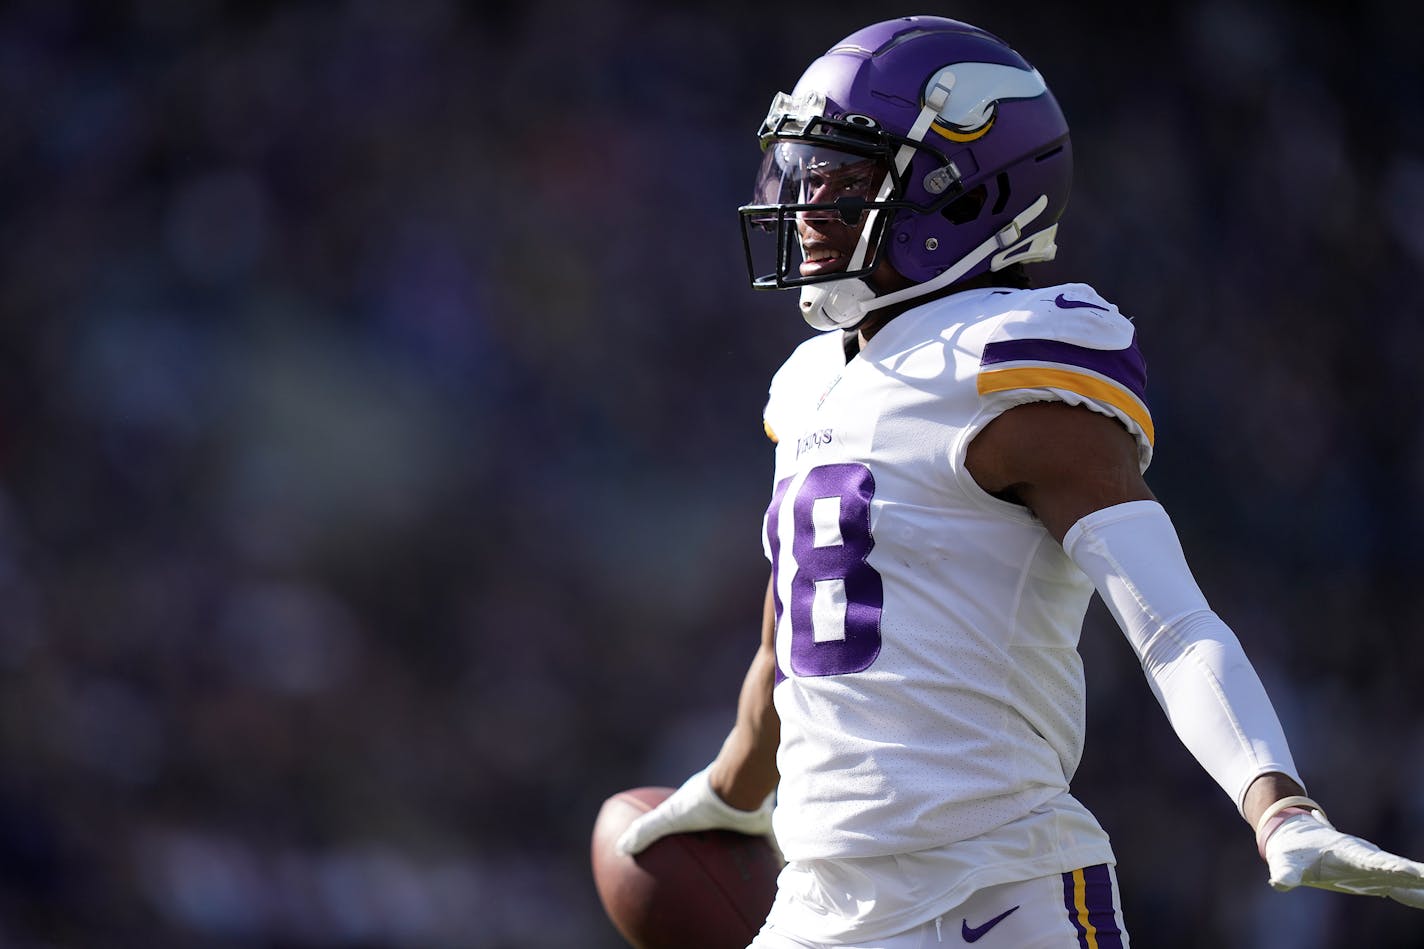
(959, 465)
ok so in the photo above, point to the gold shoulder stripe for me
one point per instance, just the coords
(1042, 377)
(766, 427)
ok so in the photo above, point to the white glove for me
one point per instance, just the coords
(692, 807)
(1306, 850)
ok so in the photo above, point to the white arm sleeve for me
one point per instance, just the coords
(1194, 662)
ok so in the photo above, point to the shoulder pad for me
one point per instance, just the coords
(1068, 339)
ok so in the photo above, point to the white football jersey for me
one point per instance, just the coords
(928, 683)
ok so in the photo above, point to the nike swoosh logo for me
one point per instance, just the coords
(975, 933)
(1063, 303)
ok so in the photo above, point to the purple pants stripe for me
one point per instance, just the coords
(1088, 898)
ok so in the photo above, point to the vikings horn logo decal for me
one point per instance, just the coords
(976, 89)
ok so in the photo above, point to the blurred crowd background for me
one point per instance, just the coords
(381, 465)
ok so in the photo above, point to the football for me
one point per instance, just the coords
(705, 890)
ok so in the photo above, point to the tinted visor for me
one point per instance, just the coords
(817, 182)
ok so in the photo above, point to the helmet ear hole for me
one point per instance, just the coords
(967, 206)
(1002, 201)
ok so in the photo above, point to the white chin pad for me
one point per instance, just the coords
(838, 304)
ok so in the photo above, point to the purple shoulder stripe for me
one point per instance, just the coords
(1126, 367)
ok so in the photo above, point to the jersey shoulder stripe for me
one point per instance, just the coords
(1068, 339)
(1125, 366)
(1087, 385)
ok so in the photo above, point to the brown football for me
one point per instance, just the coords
(706, 890)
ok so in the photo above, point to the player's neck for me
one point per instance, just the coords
(1012, 277)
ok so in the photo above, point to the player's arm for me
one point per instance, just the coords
(744, 772)
(735, 791)
(1078, 472)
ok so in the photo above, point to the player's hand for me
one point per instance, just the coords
(1306, 850)
(692, 807)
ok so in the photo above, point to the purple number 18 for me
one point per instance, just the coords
(836, 595)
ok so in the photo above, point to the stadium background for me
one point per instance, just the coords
(381, 466)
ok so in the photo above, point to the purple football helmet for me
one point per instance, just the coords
(934, 139)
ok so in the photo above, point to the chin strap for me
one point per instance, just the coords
(843, 304)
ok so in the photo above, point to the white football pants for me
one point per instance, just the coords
(1076, 910)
